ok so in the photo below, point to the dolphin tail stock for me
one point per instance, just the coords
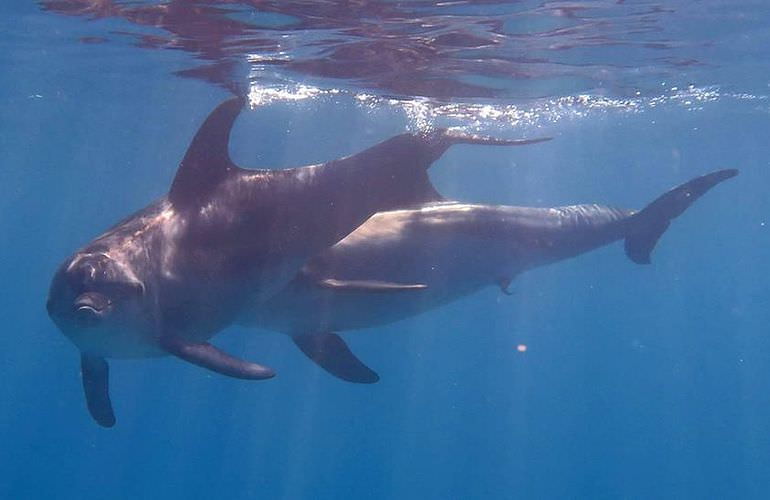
(331, 353)
(649, 224)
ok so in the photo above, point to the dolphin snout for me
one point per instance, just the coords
(91, 307)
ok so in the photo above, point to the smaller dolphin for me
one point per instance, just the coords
(403, 262)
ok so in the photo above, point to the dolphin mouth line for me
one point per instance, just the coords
(88, 305)
(89, 309)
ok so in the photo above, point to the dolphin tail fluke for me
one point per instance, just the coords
(442, 139)
(96, 379)
(331, 353)
(649, 224)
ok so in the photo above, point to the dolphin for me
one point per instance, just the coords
(403, 262)
(172, 275)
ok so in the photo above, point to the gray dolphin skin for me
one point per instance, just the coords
(224, 239)
(403, 262)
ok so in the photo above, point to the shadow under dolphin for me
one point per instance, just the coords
(224, 239)
(403, 262)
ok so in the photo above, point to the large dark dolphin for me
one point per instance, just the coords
(166, 279)
(403, 262)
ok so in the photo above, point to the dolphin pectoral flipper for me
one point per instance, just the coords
(332, 354)
(96, 379)
(368, 285)
(649, 224)
(207, 356)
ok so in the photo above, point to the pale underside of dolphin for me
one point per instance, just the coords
(224, 239)
(403, 262)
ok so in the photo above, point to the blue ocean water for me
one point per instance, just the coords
(637, 381)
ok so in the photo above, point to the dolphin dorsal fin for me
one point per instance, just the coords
(207, 161)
